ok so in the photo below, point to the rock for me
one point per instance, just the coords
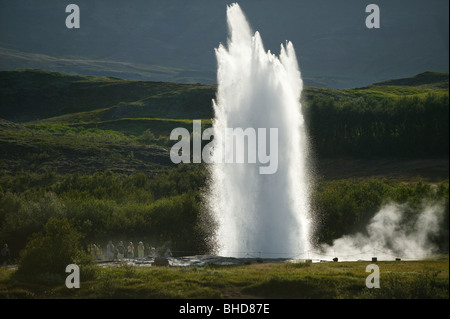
(161, 261)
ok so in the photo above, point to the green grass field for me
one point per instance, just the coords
(330, 280)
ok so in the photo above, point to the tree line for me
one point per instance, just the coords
(370, 127)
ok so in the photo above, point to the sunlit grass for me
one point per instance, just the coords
(403, 279)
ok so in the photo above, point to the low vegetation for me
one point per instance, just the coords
(168, 206)
(413, 279)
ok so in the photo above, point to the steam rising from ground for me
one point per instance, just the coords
(395, 231)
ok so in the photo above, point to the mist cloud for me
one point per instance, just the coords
(394, 231)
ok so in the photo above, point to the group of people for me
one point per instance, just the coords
(120, 251)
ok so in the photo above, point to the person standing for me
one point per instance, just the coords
(110, 251)
(140, 250)
(120, 250)
(95, 251)
(130, 250)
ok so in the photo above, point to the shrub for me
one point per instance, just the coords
(48, 253)
(147, 137)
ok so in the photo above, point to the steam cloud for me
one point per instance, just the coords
(391, 233)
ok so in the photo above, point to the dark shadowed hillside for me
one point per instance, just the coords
(34, 94)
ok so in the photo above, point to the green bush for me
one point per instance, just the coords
(167, 206)
(49, 252)
(147, 137)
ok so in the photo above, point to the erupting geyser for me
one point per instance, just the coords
(262, 215)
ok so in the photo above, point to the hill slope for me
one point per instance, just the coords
(84, 123)
(427, 79)
(28, 95)
(35, 94)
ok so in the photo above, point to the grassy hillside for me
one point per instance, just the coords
(428, 79)
(67, 121)
(419, 85)
(35, 94)
(88, 65)
(67, 150)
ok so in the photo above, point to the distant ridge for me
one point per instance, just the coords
(428, 78)
(34, 94)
